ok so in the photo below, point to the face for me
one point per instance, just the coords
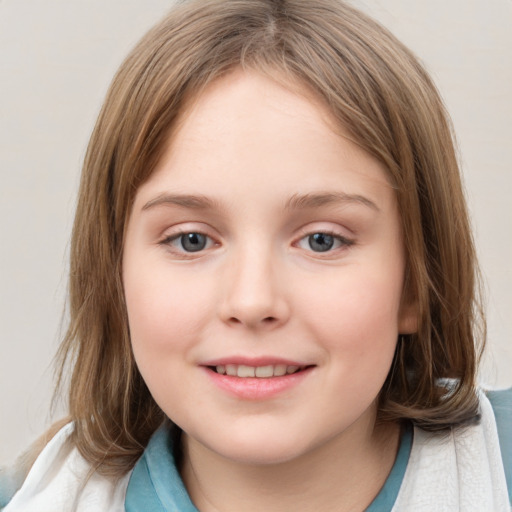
(263, 271)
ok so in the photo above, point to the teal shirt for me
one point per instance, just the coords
(501, 402)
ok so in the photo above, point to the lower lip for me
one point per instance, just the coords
(256, 388)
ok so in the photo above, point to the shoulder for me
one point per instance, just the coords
(501, 403)
(12, 477)
(461, 469)
(60, 478)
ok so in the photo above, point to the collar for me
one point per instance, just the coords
(156, 486)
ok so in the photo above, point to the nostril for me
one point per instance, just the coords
(266, 320)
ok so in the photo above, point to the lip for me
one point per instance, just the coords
(256, 388)
(254, 361)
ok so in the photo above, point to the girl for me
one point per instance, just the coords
(272, 284)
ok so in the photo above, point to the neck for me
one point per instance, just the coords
(342, 475)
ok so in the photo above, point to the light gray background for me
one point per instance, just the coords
(56, 60)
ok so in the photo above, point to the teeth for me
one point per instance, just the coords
(231, 369)
(246, 371)
(263, 372)
(279, 370)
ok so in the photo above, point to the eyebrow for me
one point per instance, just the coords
(195, 202)
(296, 202)
(303, 201)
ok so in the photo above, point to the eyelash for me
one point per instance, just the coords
(343, 242)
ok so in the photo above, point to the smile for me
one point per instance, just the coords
(258, 381)
(263, 372)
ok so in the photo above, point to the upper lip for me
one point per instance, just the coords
(254, 361)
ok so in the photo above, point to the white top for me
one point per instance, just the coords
(461, 471)
(58, 482)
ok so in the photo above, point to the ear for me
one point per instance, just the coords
(408, 317)
(409, 312)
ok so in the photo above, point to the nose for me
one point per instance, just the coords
(253, 292)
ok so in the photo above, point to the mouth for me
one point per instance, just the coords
(262, 372)
(257, 379)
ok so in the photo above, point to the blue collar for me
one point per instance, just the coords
(156, 486)
(386, 498)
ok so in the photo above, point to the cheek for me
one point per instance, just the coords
(165, 317)
(356, 319)
(165, 311)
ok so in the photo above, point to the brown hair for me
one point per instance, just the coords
(378, 91)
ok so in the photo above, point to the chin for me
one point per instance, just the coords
(259, 448)
(261, 455)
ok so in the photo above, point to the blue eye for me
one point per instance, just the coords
(188, 242)
(193, 242)
(323, 242)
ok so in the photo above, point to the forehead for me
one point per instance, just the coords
(245, 127)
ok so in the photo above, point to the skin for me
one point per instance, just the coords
(259, 289)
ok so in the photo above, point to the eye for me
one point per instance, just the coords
(188, 242)
(323, 242)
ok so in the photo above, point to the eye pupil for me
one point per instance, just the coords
(321, 242)
(193, 242)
